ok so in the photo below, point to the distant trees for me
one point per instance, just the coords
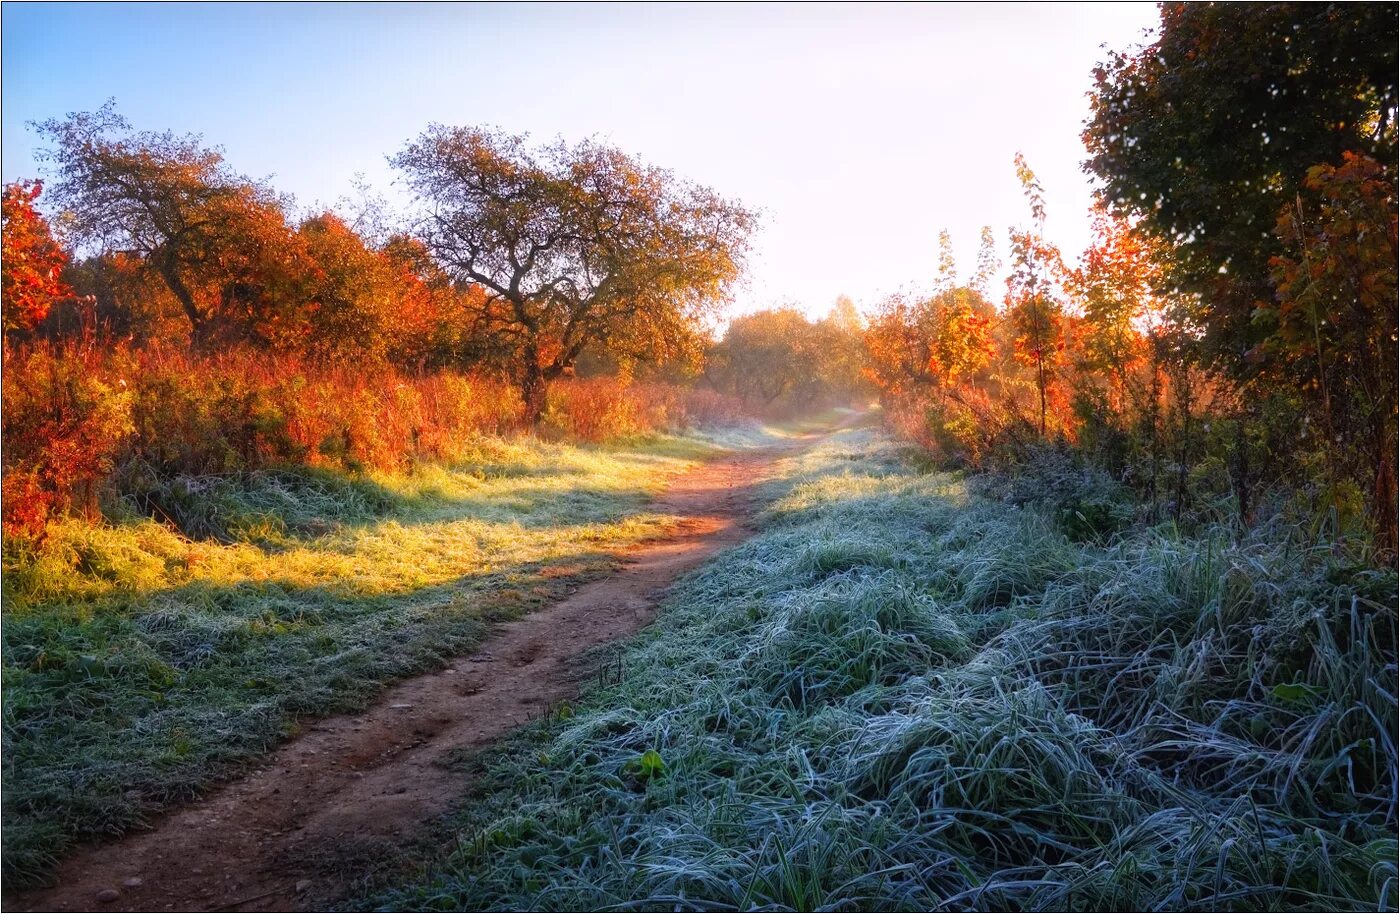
(575, 247)
(778, 360)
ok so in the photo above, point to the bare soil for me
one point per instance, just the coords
(348, 791)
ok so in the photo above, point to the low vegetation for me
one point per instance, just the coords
(140, 662)
(912, 692)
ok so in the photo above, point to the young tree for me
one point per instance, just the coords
(987, 263)
(1034, 309)
(219, 242)
(32, 279)
(947, 264)
(576, 247)
(1114, 288)
(1334, 321)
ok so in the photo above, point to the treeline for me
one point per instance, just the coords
(1227, 345)
(190, 323)
(184, 320)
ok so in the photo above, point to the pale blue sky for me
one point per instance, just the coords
(859, 131)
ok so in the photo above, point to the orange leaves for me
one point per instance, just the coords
(1336, 284)
(33, 260)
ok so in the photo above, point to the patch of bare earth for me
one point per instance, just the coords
(298, 830)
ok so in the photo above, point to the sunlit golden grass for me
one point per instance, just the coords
(141, 662)
(519, 503)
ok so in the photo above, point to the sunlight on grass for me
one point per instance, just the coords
(140, 662)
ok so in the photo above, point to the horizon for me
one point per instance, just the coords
(816, 119)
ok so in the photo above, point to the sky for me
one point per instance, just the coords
(858, 132)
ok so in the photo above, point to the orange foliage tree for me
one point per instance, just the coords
(577, 249)
(219, 242)
(1034, 309)
(32, 279)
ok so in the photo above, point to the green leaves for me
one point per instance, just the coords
(1295, 693)
(648, 766)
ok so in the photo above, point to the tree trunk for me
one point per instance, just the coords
(533, 392)
(1040, 382)
(199, 326)
(1383, 493)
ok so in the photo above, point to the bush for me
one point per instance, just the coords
(81, 419)
(65, 422)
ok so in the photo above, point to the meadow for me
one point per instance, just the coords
(1064, 579)
(142, 663)
(918, 690)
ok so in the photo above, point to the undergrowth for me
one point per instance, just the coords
(149, 654)
(909, 694)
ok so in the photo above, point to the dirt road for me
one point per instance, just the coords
(350, 788)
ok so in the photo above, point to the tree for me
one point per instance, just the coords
(1207, 132)
(219, 242)
(1334, 321)
(577, 248)
(936, 343)
(769, 355)
(1236, 114)
(947, 264)
(1114, 288)
(356, 294)
(32, 279)
(987, 263)
(1034, 310)
(437, 323)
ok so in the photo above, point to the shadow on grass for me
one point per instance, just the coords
(297, 506)
(110, 720)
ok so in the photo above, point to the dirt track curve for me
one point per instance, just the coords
(278, 838)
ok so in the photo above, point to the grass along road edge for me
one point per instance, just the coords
(142, 665)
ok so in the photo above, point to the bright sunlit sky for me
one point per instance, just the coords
(858, 131)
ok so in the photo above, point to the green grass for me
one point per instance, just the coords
(908, 694)
(141, 663)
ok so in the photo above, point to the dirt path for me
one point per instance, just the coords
(288, 834)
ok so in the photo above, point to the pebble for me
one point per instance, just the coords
(132, 882)
(108, 895)
(303, 885)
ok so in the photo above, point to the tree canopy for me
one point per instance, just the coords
(219, 241)
(576, 247)
(1207, 132)
(32, 280)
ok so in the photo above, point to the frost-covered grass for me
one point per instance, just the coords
(140, 662)
(907, 694)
